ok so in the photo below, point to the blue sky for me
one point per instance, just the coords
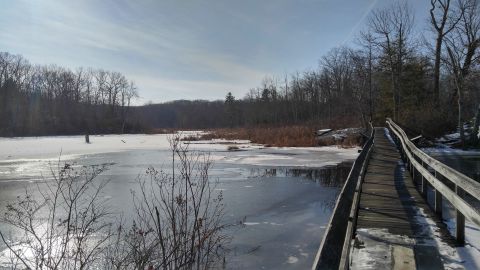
(185, 49)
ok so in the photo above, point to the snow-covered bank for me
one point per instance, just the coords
(52, 146)
(447, 150)
(451, 143)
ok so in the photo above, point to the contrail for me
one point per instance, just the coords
(357, 25)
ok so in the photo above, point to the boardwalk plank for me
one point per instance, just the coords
(390, 203)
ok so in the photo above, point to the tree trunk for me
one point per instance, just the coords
(474, 135)
(436, 69)
(394, 98)
(458, 79)
(460, 121)
(370, 83)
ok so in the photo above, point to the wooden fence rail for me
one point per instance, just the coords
(335, 247)
(447, 182)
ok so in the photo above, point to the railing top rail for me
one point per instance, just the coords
(469, 185)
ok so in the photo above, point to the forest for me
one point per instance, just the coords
(426, 79)
(51, 100)
(428, 82)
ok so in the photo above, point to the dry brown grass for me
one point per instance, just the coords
(293, 136)
(161, 131)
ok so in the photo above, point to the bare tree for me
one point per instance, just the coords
(367, 40)
(462, 47)
(127, 92)
(443, 20)
(392, 27)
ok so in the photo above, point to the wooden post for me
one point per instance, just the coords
(413, 173)
(460, 222)
(438, 203)
(423, 189)
(438, 200)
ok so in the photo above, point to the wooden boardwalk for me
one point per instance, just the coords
(392, 225)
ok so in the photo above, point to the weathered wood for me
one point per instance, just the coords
(379, 194)
(471, 186)
(438, 203)
(387, 200)
(438, 200)
(462, 183)
(460, 221)
(352, 219)
(390, 202)
(404, 258)
(340, 228)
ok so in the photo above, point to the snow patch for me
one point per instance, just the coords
(18, 149)
(251, 223)
(446, 150)
(387, 134)
(292, 259)
(467, 257)
(311, 157)
(470, 253)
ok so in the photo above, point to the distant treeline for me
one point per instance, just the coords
(429, 82)
(46, 100)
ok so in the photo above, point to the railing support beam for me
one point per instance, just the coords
(422, 187)
(438, 200)
(440, 177)
(460, 221)
(438, 203)
(413, 172)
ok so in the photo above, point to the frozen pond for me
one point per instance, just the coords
(285, 195)
(466, 164)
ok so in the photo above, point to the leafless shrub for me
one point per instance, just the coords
(190, 138)
(289, 136)
(178, 223)
(64, 226)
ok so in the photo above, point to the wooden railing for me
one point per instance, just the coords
(335, 247)
(447, 182)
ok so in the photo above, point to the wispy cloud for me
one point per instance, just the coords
(180, 49)
(172, 89)
(361, 21)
